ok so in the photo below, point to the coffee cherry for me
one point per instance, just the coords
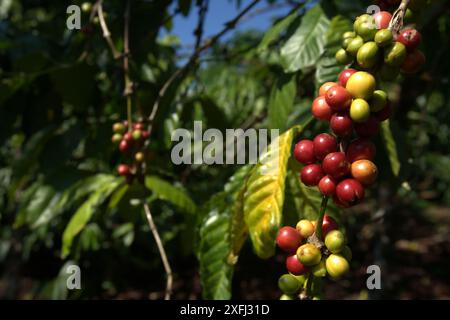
(139, 157)
(378, 101)
(288, 239)
(382, 19)
(410, 38)
(413, 62)
(361, 85)
(319, 270)
(337, 266)
(123, 170)
(341, 124)
(124, 146)
(118, 127)
(116, 138)
(346, 253)
(305, 228)
(348, 34)
(304, 152)
(345, 42)
(86, 7)
(137, 134)
(335, 241)
(359, 110)
(366, 28)
(345, 75)
(369, 128)
(395, 54)
(339, 203)
(367, 55)
(324, 144)
(288, 284)
(324, 88)
(338, 98)
(309, 254)
(145, 134)
(138, 126)
(354, 45)
(287, 297)
(385, 113)
(327, 186)
(294, 266)
(328, 224)
(336, 165)
(383, 38)
(320, 109)
(360, 149)
(343, 57)
(365, 171)
(128, 137)
(350, 191)
(311, 174)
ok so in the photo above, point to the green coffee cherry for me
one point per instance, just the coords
(348, 34)
(337, 266)
(309, 254)
(395, 54)
(359, 111)
(378, 101)
(116, 138)
(343, 57)
(354, 45)
(288, 284)
(367, 55)
(335, 240)
(383, 37)
(301, 279)
(367, 29)
(287, 297)
(319, 270)
(346, 42)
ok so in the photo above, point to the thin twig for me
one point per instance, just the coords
(194, 60)
(128, 89)
(161, 250)
(106, 32)
(396, 22)
(198, 32)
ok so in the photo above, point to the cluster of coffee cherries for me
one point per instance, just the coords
(308, 257)
(339, 166)
(130, 140)
(374, 47)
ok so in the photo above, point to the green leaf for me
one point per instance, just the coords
(167, 192)
(275, 31)
(327, 68)
(84, 214)
(306, 45)
(281, 101)
(264, 197)
(214, 246)
(391, 147)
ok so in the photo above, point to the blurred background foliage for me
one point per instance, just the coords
(61, 201)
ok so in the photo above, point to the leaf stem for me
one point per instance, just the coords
(323, 207)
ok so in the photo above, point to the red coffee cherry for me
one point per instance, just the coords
(382, 19)
(123, 170)
(324, 88)
(311, 174)
(128, 136)
(336, 165)
(289, 239)
(410, 38)
(350, 191)
(324, 144)
(339, 203)
(327, 186)
(328, 225)
(124, 146)
(320, 109)
(294, 266)
(145, 134)
(304, 152)
(369, 128)
(341, 124)
(413, 62)
(361, 149)
(384, 113)
(338, 98)
(138, 126)
(345, 75)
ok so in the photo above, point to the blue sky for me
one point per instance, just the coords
(221, 11)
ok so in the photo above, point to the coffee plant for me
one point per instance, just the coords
(356, 176)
